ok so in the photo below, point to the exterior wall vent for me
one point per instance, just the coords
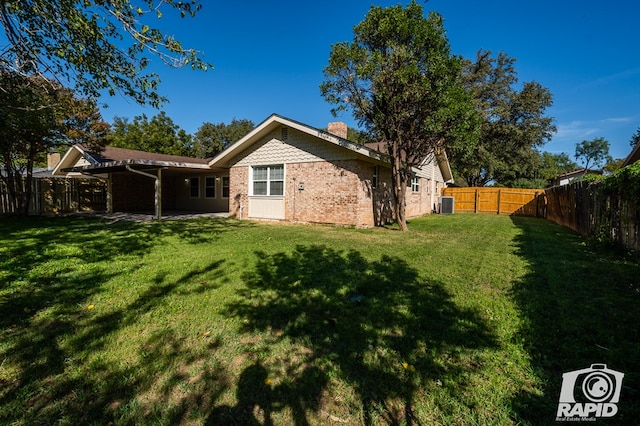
(284, 134)
(446, 205)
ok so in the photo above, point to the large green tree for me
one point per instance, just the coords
(38, 116)
(514, 124)
(96, 45)
(211, 138)
(401, 83)
(160, 135)
(593, 153)
(552, 165)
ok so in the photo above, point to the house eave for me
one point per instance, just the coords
(633, 156)
(118, 166)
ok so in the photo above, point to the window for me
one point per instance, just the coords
(268, 180)
(374, 179)
(415, 183)
(225, 187)
(210, 187)
(194, 187)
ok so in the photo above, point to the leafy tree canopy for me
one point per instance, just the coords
(401, 83)
(552, 165)
(95, 45)
(613, 164)
(160, 135)
(358, 136)
(593, 153)
(211, 138)
(635, 138)
(513, 123)
(38, 116)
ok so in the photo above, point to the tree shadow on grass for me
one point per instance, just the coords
(50, 341)
(581, 306)
(375, 325)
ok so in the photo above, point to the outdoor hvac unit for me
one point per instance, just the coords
(446, 205)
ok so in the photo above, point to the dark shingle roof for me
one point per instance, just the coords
(111, 153)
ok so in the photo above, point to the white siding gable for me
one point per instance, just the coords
(299, 148)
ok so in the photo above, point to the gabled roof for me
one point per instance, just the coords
(275, 121)
(111, 159)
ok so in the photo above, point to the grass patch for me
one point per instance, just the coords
(465, 319)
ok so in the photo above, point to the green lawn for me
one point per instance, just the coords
(465, 319)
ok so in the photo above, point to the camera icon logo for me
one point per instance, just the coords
(590, 392)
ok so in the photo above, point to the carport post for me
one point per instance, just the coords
(158, 188)
(158, 198)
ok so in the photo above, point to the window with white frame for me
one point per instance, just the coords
(415, 183)
(210, 187)
(225, 187)
(374, 179)
(268, 180)
(194, 187)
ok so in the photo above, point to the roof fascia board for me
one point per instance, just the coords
(445, 166)
(133, 162)
(71, 155)
(635, 152)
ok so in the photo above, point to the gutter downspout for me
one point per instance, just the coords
(158, 190)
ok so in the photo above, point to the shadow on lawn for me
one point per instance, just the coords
(47, 334)
(581, 307)
(375, 325)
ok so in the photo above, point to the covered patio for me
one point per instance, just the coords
(139, 182)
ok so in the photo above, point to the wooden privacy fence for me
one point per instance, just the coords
(581, 206)
(61, 195)
(512, 201)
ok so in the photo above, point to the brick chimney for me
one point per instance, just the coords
(338, 128)
(53, 158)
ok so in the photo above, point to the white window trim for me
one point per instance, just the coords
(222, 187)
(415, 183)
(375, 179)
(268, 166)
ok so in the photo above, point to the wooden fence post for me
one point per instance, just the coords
(477, 201)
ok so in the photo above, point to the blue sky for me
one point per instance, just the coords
(269, 57)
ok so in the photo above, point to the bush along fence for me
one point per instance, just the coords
(512, 201)
(60, 195)
(608, 209)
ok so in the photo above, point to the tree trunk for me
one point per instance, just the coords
(399, 178)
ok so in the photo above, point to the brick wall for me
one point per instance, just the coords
(238, 191)
(337, 183)
(334, 192)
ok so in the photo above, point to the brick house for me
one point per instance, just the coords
(281, 170)
(286, 170)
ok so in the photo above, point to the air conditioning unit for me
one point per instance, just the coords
(446, 205)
